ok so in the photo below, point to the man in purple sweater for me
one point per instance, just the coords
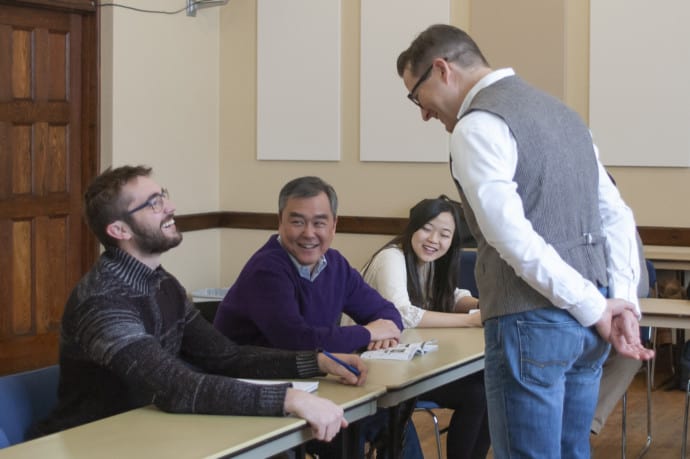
(293, 290)
(129, 331)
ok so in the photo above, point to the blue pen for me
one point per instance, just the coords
(352, 369)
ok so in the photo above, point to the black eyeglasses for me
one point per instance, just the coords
(411, 95)
(155, 202)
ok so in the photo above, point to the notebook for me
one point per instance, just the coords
(402, 351)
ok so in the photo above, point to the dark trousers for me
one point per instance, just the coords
(374, 430)
(468, 433)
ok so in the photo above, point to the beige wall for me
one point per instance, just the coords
(159, 106)
(180, 94)
(378, 189)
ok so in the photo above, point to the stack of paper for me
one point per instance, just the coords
(402, 351)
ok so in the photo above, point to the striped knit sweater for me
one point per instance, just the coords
(130, 337)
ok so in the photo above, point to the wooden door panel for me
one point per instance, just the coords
(21, 289)
(20, 42)
(56, 88)
(54, 277)
(56, 174)
(49, 159)
(40, 275)
(44, 122)
(19, 164)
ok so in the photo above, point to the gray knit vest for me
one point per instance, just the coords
(557, 180)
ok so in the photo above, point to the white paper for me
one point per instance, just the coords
(402, 351)
(306, 386)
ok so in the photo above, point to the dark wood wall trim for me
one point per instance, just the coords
(651, 235)
(269, 221)
(657, 235)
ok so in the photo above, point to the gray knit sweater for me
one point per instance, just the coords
(130, 337)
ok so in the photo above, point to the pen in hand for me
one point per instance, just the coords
(350, 368)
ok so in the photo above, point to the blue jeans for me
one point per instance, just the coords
(542, 380)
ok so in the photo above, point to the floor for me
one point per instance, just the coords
(667, 425)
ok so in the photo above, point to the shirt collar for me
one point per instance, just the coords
(304, 271)
(131, 271)
(487, 80)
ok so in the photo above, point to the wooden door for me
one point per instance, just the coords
(47, 153)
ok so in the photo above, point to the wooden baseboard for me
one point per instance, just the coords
(651, 235)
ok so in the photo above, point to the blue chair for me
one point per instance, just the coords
(429, 407)
(24, 399)
(646, 332)
(466, 280)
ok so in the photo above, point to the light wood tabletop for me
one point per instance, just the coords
(150, 433)
(460, 353)
(674, 258)
(664, 312)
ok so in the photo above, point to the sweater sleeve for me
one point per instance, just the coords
(207, 348)
(387, 274)
(115, 338)
(177, 388)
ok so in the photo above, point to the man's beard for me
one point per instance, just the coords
(153, 241)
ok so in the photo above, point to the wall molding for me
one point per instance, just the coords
(651, 235)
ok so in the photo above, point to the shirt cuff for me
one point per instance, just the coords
(590, 309)
(308, 365)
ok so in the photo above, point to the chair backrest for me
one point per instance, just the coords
(651, 274)
(466, 280)
(24, 399)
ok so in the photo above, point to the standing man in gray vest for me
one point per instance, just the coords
(555, 240)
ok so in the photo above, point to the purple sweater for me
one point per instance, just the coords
(271, 305)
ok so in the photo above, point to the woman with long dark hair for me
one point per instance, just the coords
(418, 271)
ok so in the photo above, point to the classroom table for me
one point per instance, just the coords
(665, 312)
(460, 353)
(148, 432)
(672, 258)
(668, 313)
(668, 257)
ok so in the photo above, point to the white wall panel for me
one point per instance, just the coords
(640, 82)
(391, 128)
(298, 79)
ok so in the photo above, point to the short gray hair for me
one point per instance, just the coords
(307, 187)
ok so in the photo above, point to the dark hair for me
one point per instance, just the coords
(103, 202)
(437, 295)
(307, 187)
(440, 40)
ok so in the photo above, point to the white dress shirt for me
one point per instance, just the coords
(484, 154)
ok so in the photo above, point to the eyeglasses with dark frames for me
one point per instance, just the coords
(425, 76)
(155, 202)
(411, 95)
